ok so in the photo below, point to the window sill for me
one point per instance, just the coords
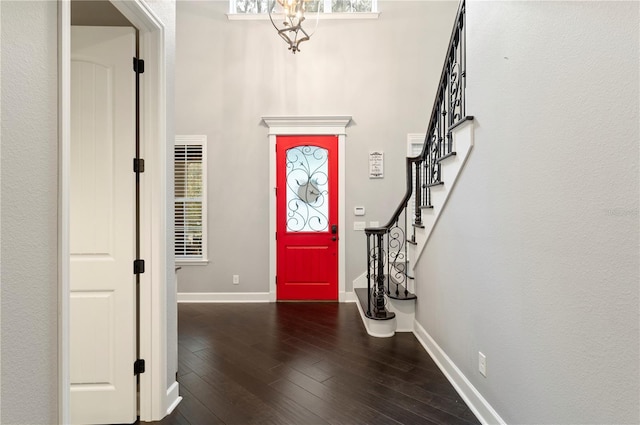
(323, 16)
(198, 262)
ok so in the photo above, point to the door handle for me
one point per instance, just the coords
(334, 229)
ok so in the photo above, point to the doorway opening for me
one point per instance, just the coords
(334, 126)
(158, 391)
(307, 218)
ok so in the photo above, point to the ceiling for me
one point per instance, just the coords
(97, 13)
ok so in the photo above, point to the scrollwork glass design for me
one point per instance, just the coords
(307, 189)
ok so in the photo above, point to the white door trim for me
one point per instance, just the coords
(307, 125)
(64, 178)
(153, 330)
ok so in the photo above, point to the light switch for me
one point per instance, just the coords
(374, 224)
(359, 225)
(358, 211)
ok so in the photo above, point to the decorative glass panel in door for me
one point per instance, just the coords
(307, 178)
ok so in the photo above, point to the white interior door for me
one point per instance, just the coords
(102, 226)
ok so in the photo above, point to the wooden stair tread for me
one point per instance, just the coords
(399, 292)
(361, 294)
(449, 155)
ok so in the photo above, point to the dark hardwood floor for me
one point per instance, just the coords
(304, 363)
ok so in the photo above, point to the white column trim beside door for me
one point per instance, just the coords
(64, 179)
(154, 383)
(307, 125)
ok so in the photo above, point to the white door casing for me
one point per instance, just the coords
(158, 391)
(307, 125)
(102, 226)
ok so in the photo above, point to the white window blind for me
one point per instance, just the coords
(190, 198)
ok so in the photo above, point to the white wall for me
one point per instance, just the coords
(29, 212)
(229, 74)
(535, 260)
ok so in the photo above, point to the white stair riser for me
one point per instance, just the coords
(377, 328)
(405, 311)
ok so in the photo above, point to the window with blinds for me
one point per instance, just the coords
(190, 198)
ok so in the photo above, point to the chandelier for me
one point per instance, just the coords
(287, 17)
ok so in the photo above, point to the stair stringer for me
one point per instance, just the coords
(405, 311)
(451, 169)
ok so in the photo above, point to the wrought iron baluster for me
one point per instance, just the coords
(442, 128)
(418, 198)
(389, 260)
(463, 61)
(406, 257)
(425, 190)
(369, 274)
(379, 294)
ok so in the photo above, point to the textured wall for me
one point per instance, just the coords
(231, 73)
(29, 213)
(535, 260)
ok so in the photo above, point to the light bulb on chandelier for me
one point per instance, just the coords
(287, 17)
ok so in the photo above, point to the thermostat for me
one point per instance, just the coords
(358, 211)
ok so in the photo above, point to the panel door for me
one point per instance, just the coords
(307, 217)
(102, 226)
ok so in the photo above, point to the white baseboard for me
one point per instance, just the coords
(360, 281)
(224, 297)
(173, 397)
(242, 297)
(478, 405)
(349, 297)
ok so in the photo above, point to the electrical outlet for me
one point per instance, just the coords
(236, 279)
(482, 364)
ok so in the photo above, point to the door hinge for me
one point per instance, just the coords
(138, 165)
(138, 65)
(138, 367)
(276, 235)
(138, 266)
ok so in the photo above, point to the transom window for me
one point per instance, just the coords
(326, 6)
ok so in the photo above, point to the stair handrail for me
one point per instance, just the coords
(442, 87)
(448, 111)
(427, 164)
(403, 202)
(457, 35)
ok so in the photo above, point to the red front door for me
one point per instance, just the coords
(307, 217)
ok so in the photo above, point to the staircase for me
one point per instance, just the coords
(387, 291)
